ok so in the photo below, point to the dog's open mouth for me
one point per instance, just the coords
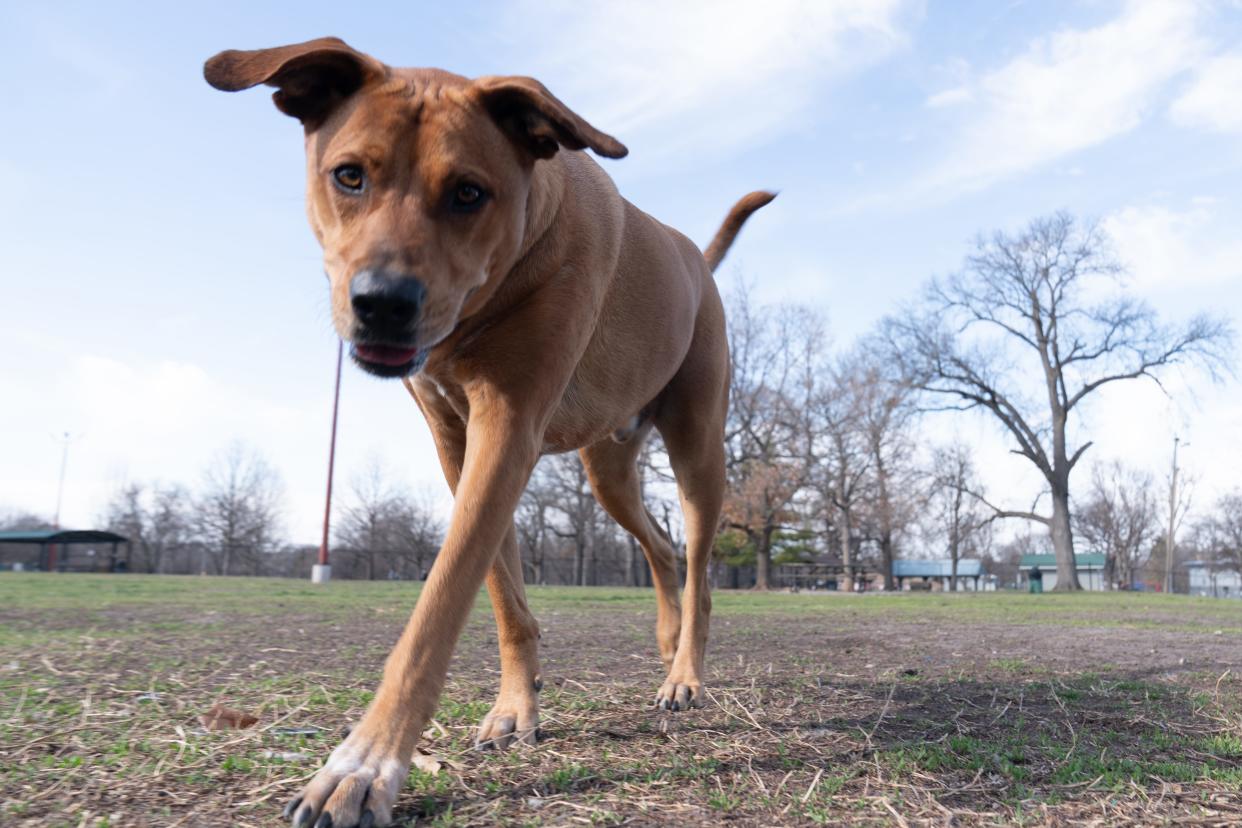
(387, 360)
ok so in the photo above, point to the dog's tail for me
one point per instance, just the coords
(733, 222)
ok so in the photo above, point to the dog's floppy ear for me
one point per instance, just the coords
(311, 78)
(534, 118)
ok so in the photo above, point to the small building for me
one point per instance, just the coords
(1213, 581)
(938, 572)
(1090, 568)
(65, 550)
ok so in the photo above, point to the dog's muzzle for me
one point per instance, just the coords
(386, 306)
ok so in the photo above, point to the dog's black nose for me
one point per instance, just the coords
(385, 302)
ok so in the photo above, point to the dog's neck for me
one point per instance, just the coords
(547, 195)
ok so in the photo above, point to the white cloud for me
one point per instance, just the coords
(951, 97)
(1166, 249)
(1213, 100)
(1068, 91)
(708, 76)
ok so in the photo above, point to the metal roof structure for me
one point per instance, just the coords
(937, 568)
(1089, 560)
(63, 536)
(56, 549)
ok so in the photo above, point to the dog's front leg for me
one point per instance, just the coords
(515, 716)
(360, 782)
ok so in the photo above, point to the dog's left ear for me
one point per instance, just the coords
(536, 120)
(311, 78)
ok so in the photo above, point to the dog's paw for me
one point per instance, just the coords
(356, 788)
(514, 719)
(680, 693)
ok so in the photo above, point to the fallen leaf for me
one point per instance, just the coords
(220, 717)
(426, 763)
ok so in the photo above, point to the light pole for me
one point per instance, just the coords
(1169, 545)
(322, 571)
(65, 440)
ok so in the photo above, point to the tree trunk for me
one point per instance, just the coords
(955, 536)
(1063, 542)
(886, 560)
(763, 559)
(843, 539)
(631, 560)
(953, 554)
(886, 518)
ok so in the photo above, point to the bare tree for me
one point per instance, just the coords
(534, 521)
(959, 519)
(236, 515)
(1017, 334)
(20, 521)
(773, 353)
(886, 416)
(841, 460)
(580, 512)
(1119, 519)
(417, 536)
(1221, 532)
(383, 532)
(366, 527)
(155, 519)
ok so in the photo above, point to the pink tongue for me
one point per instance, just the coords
(385, 355)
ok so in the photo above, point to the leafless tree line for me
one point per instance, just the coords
(1125, 517)
(231, 524)
(826, 456)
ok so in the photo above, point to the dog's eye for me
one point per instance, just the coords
(349, 178)
(468, 198)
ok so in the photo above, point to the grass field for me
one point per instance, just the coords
(907, 710)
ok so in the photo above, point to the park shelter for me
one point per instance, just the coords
(1090, 568)
(940, 571)
(69, 550)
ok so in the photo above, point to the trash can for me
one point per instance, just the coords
(1036, 579)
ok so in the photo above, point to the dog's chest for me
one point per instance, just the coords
(576, 422)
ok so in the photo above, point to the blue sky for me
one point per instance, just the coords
(164, 296)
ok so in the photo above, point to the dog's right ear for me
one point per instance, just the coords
(311, 78)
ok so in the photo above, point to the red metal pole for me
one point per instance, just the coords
(327, 507)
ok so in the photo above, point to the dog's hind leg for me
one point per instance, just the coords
(515, 716)
(613, 470)
(691, 420)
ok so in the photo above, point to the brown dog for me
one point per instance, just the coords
(529, 309)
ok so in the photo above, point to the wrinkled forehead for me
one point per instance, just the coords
(427, 106)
